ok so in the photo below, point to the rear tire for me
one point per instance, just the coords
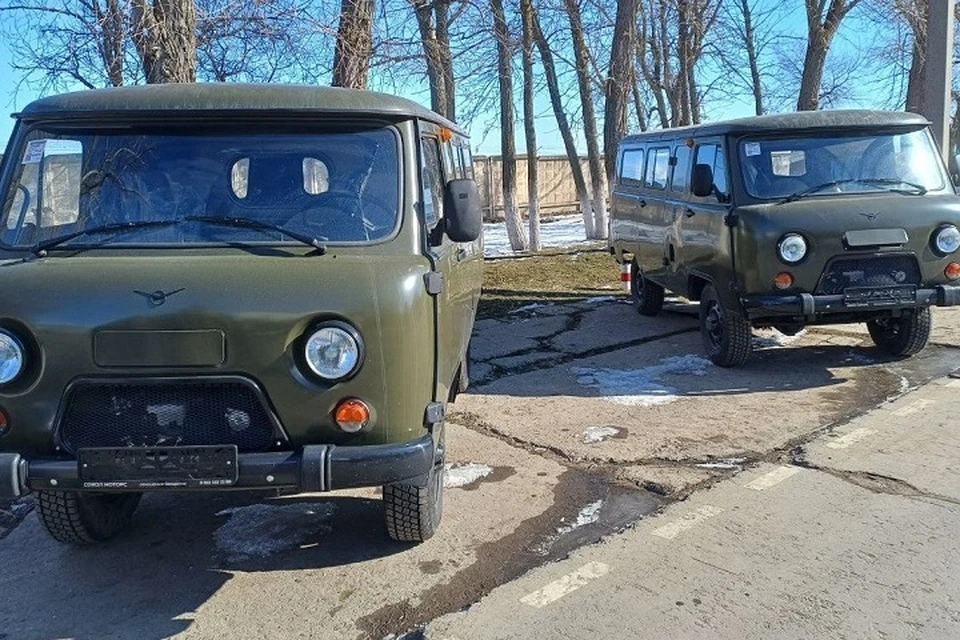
(85, 518)
(726, 334)
(647, 295)
(904, 336)
(413, 513)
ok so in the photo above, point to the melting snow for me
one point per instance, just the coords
(562, 232)
(593, 435)
(776, 340)
(641, 387)
(599, 299)
(724, 463)
(588, 515)
(259, 530)
(530, 307)
(463, 474)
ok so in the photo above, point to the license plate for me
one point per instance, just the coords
(142, 468)
(879, 296)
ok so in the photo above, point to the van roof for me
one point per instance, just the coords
(207, 99)
(789, 122)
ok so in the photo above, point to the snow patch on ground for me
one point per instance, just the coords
(460, 475)
(529, 307)
(776, 340)
(724, 464)
(593, 435)
(588, 515)
(565, 231)
(260, 530)
(641, 387)
(599, 299)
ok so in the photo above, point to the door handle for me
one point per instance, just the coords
(642, 203)
(690, 213)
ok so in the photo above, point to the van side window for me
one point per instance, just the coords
(432, 180)
(681, 168)
(631, 167)
(658, 168)
(712, 156)
(467, 162)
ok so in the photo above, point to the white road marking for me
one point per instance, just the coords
(953, 382)
(671, 530)
(851, 438)
(773, 478)
(566, 584)
(913, 407)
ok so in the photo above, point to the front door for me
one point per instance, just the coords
(702, 221)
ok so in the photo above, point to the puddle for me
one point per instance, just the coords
(260, 530)
(641, 387)
(588, 515)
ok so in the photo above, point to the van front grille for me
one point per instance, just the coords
(868, 271)
(166, 413)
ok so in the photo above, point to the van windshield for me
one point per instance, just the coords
(777, 168)
(336, 187)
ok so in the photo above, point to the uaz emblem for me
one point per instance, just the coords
(871, 216)
(158, 297)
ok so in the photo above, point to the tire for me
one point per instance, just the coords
(726, 334)
(904, 336)
(413, 513)
(647, 296)
(85, 518)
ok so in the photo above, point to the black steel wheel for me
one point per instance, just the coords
(413, 513)
(726, 333)
(85, 518)
(903, 336)
(647, 295)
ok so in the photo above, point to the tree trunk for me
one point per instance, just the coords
(351, 57)
(437, 56)
(620, 72)
(596, 223)
(508, 152)
(819, 36)
(752, 59)
(165, 36)
(563, 124)
(529, 128)
(915, 13)
(446, 58)
(112, 39)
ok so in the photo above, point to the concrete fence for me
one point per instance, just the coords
(556, 189)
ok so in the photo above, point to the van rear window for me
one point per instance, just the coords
(631, 166)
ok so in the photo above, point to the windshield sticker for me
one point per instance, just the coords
(62, 148)
(34, 152)
(752, 149)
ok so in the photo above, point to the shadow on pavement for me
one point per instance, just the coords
(148, 582)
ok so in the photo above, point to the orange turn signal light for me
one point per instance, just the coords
(446, 135)
(351, 415)
(4, 421)
(783, 280)
(952, 271)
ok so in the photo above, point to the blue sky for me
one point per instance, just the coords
(856, 34)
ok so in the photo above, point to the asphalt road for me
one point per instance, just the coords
(585, 422)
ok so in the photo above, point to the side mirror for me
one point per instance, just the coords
(463, 219)
(702, 185)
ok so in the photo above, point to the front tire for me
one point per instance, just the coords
(904, 336)
(726, 334)
(413, 513)
(85, 518)
(647, 296)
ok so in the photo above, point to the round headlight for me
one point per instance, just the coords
(11, 357)
(947, 239)
(333, 352)
(792, 248)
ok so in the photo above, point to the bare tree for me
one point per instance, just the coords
(529, 126)
(746, 28)
(620, 75)
(560, 113)
(595, 224)
(821, 28)
(351, 59)
(508, 152)
(433, 23)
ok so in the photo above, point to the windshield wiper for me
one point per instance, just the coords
(915, 189)
(251, 223)
(41, 248)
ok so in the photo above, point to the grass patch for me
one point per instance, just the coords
(554, 278)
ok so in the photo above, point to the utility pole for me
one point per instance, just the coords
(939, 73)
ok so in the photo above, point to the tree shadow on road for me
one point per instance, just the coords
(148, 582)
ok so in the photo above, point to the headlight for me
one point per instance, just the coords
(333, 351)
(792, 248)
(947, 239)
(11, 357)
